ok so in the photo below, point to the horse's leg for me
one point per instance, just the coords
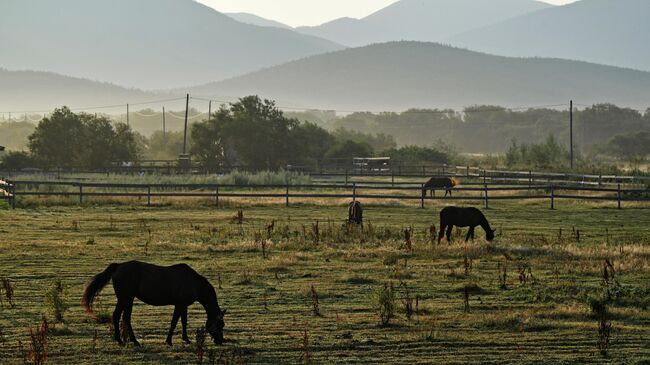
(449, 228)
(117, 313)
(184, 323)
(469, 233)
(442, 232)
(473, 233)
(128, 308)
(175, 316)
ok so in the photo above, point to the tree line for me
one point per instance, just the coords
(251, 133)
(255, 133)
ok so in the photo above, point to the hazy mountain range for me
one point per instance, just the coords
(43, 91)
(253, 19)
(401, 75)
(151, 44)
(173, 44)
(612, 32)
(422, 20)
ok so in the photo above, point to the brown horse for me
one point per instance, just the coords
(177, 285)
(463, 217)
(438, 183)
(355, 213)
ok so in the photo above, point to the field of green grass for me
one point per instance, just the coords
(542, 313)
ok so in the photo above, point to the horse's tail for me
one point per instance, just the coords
(454, 181)
(96, 284)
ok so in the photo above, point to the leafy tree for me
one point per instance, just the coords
(309, 144)
(349, 149)
(254, 133)
(632, 147)
(164, 147)
(549, 154)
(66, 139)
(16, 160)
(378, 142)
(55, 142)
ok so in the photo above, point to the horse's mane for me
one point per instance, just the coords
(454, 181)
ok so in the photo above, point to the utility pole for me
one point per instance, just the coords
(164, 131)
(127, 115)
(209, 109)
(571, 131)
(187, 105)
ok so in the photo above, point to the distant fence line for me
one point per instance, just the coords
(289, 192)
(472, 175)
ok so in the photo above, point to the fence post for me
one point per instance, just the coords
(148, 195)
(13, 196)
(552, 197)
(486, 196)
(346, 176)
(286, 202)
(484, 177)
(467, 171)
(81, 193)
(422, 198)
(424, 171)
(354, 191)
(618, 195)
(392, 178)
(530, 179)
(216, 196)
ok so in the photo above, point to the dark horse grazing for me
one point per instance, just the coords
(177, 285)
(463, 217)
(355, 213)
(439, 182)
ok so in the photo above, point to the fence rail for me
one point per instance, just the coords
(350, 190)
(7, 192)
(470, 174)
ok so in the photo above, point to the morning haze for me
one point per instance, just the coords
(324, 182)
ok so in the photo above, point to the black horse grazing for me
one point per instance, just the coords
(439, 182)
(177, 285)
(463, 217)
(355, 213)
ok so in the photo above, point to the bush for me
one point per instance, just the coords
(16, 161)
(384, 302)
(54, 301)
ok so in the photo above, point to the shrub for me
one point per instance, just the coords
(384, 302)
(54, 301)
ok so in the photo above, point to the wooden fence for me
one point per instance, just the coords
(468, 174)
(350, 190)
(7, 192)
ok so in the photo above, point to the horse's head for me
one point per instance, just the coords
(489, 234)
(215, 326)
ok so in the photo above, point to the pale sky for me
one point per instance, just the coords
(309, 12)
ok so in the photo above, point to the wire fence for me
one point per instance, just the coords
(84, 191)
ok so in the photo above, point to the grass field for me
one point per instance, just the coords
(542, 317)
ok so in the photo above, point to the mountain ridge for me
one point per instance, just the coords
(402, 75)
(150, 44)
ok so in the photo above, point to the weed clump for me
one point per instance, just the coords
(37, 351)
(7, 290)
(199, 344)
(384, 302)
(54, 301)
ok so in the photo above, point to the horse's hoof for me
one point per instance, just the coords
(187, 341)
(169, 343)
(136, 343)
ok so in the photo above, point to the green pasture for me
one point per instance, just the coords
(542, 313)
